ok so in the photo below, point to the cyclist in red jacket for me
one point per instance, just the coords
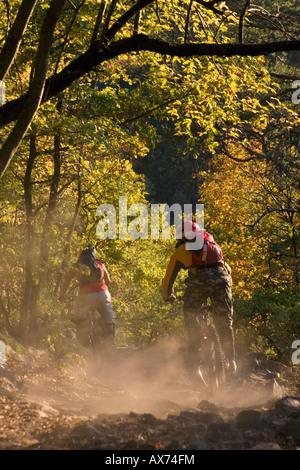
(93, 279)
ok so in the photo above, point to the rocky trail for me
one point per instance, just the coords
(143, 400)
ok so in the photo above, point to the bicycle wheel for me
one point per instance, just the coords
(83, 331)
(211, 364)
(98, 334)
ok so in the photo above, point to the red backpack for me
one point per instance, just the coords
(209, 254)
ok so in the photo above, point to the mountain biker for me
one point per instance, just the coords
(207, 279)
(93, 279)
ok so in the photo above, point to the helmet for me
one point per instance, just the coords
(187, 229)
(90, 251)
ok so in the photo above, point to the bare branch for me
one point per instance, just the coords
(210, 6)
(131, 13)
(270, 211)
(241, 160)
(283, 76)
(106, 23)
(99, 20)
(65, 41)
(188, 20)
(241, 22)
(14, 37)
(137, 20)
(150, 111)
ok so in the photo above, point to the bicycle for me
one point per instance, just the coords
(208, 354)
(90, 329)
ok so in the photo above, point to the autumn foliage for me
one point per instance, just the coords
(161, 102)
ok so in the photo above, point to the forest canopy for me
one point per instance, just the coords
(162, 102)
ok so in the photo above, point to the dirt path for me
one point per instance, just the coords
(144, 400)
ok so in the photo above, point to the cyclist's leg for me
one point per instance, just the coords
(194, 297)
(222, 303)
(82, 307)
(105, 308)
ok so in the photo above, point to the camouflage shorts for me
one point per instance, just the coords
(215, 284)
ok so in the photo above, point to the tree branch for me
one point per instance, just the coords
(149, 111)
(14, 37)
(90, 59)
(131, 13)
(269, 211)
(241, 22)
(99, 20)
(35, 94)
(106, 22)
(210, 6)
(187, 20)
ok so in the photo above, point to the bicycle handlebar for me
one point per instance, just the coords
(174, 299)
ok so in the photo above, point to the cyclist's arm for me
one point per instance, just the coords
(173, 269)
(228, 267)
(180, 259)
(107, 278)
(70, 275)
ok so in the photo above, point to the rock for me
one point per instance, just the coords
(216, 431)
(207, 418)
(291, 427)
(19, 357)
(8, 380)
(248, 418)
(87, 431)
(188, 432)
(207, 406)
(289, 406)
(7, 374)
(49, 410)
(246, 415)
(149, 418)
(188, 416)
(275, 367)
(278, 389)
(266, 446)
(197, 444)
(248, 361)
(174, 445)
(268, 384)
(5, 393)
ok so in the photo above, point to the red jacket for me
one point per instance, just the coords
(89, 287)
(92, 287)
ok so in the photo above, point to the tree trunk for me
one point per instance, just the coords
(66, 251)
(36, 90)
(44, 246)
(23, 328)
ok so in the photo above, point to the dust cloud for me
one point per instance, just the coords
(152, 380)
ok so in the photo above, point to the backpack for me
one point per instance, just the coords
(87, 258)
(210, 253)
